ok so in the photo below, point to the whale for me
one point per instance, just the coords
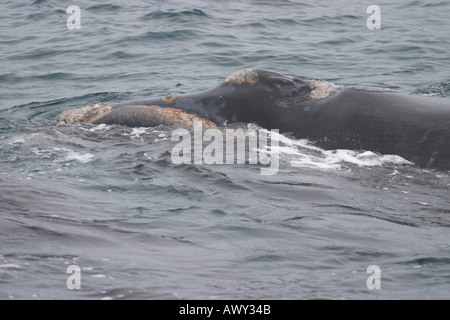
(412, 126)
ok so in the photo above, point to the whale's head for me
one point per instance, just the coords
(261, 96)
(270, 83)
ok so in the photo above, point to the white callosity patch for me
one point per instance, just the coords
(243, 76)
(170, 98)
(84, 114)
(320, 89)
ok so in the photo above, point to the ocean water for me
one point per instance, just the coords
(109, 200)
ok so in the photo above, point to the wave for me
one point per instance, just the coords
(440, 89)
(174, 15)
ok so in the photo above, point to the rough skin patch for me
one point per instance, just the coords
(84, 114)
(170, 98)
(242, 76)
(177, 117)
(320, 89)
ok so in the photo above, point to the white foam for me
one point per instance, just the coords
(31, 139)
(302, 153)
(20, 139)
(75, 156)
(10, 266)
(83, 158)
(161, 136)
(147, 156)
(432, 94)
(136, 133)
(363, 159)
(100, 127)
(43, 153)
(396, 172)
